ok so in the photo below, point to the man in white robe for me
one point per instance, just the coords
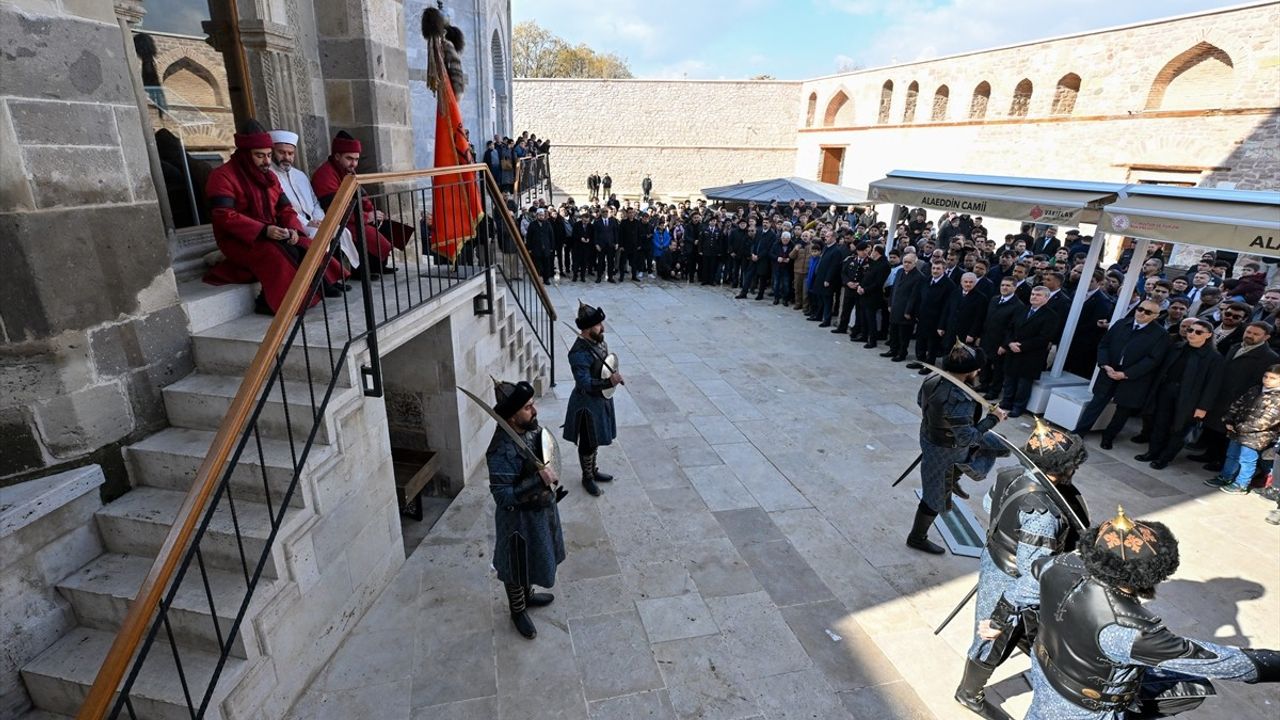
(297, 187)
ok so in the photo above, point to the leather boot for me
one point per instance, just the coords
(600, 476)
(536, 599)
(971, 692)
(919, 537)
(519, 616)
(589, 474)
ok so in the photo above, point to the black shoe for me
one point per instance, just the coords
(1216, 482)
(918, 539)
(760, 296)
(899, 358)
(914, 365)
(870, 345)
(537, 599)
(1141, 438)
(591, 487)
(613, 280)
(1144, 457)
(858, 338)
(1158, 464)
(740, 296)
(837, 330)
(561, 493)
(888, 354)
(1106, 444)
(971, 692)
(825, 324)
(776, 301)
(603, 476)
(927, 371)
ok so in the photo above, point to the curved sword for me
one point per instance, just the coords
(1039, 475)
(983, 402)
(521, 445)
(593, 349)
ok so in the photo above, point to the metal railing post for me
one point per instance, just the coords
(371, 374)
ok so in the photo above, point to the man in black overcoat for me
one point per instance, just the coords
(1129, 356)
(1026, 351)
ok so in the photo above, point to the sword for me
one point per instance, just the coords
(990, 406)
(521, 445)
(965, 601)
(593, 350)
(1030, 466)
(907, 472)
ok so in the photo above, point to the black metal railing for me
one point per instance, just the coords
(231, 549)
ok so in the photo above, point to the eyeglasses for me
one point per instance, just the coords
(1197, 331)
(1145, 311)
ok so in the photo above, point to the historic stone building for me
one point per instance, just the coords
(1189, 100)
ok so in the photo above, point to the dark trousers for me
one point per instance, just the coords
(754, 277)
(822, 305)
(1168, 433)
(782, 283)
(626, 260)
(546, 267)
(900, 337)
(928, 344)
(1215, 444)
(709, 266)
(868, 317)
(606, 263)
(1017, 391)
(848, 301)
(993, 373)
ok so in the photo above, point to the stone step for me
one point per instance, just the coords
(209, 305)
(42, 715)
(170, 458)
(60, 677)
(137, 522)
(229, 349)
(200, 402)
(101, 591)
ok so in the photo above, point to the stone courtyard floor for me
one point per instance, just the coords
(748, 561)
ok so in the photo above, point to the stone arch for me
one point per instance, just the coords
(1064, 96)
(812, 110)
(886, 101)
(941, 97)
(839, 111)
(199, 90)
(501, 93)
(981, 98)
(1021, 99)
(909, 110)
(1198, 77)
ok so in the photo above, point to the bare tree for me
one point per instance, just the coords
(537, 52)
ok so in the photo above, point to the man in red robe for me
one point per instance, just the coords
(344, 155)
(256, 227)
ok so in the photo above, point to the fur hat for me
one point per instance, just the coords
(588, 316)
(510, 397)
(343, 142)
(1056, 452)
(1138, 555)
(434, 23)
(963, 359)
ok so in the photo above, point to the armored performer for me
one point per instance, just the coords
(953, 440)
(1028, 521)
(529, 542)
(589, 421)
(1100, 654)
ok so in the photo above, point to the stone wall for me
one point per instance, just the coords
(686, 134)
(89, 316)
(46, 533)
(1191, 100)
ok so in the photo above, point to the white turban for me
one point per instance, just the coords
(284, 136)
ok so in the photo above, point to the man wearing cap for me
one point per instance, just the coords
(589, 420)
(1099, 653)
(1028, 521)
(255, 225)
(953, 441)
(297, 188)
(529, 541)
(343, 158)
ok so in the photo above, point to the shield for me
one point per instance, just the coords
(549, 450)
(607, 369)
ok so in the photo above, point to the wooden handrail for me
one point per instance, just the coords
(144, 604)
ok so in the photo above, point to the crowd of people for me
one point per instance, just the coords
(1192, 354)
(507, 159)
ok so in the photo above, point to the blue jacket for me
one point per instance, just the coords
(661, 241)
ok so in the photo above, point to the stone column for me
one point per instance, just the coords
(90, 325)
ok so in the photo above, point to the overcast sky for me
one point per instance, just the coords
(798, 39)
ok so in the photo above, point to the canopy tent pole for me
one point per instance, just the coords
(891, 230)
(1077, 303)
(1130, 279)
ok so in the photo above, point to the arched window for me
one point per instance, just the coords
(1021, 99)
(1200, 77)
(187, 82)
(813, 109)
(940, 98)
(1064, 97)
(981, 97)
(886, 100)
(499, 85)
(839, 111)
(909, 112)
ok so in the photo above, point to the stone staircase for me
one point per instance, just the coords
(298, 607)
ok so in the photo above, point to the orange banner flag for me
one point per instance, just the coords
(455, 197)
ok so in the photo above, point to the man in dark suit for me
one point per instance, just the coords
(970, 310)
(852, 268)
(933, 310)
(1059, 299)
(986, 285)
(1026, 351)
(1047, 244)
(1001, 311)
(1090, 328)
(825, 278)
(605, 237)
(871, 296)
(1185, 389)
(902, 307)
(1129, 355)
(1245, 365)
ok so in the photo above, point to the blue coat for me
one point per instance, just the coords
(529, 541)
(586, 396)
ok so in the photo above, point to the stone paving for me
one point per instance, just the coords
(748, 561)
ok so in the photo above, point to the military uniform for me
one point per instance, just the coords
(528, 539)
(589, 419)
(1101, 655)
